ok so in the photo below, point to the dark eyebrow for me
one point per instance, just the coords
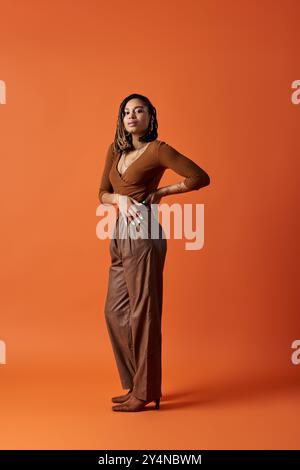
(139, 106)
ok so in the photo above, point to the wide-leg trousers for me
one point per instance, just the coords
(133, 306)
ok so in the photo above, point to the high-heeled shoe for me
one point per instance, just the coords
(135, 404)
(122, 398)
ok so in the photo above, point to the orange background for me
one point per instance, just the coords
(219, 74)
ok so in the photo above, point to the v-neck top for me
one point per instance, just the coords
(144, 174)
(119, 159)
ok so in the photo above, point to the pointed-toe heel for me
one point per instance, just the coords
(121, 398)
(135, 404)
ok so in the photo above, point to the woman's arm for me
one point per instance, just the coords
(173, 189)
(106, 194)
(195, 177)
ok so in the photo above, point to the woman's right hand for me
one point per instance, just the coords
(128, 207)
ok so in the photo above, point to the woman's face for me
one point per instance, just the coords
(136, 117)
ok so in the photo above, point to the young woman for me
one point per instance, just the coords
(135, 163)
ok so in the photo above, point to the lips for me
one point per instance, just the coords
(132, 123)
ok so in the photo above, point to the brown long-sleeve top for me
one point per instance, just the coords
(144, 174)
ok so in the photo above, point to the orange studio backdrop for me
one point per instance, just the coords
(223, 77)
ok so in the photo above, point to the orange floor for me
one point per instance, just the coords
(72, 410)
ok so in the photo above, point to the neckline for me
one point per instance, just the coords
(119, 157)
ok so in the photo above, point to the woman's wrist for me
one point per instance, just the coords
(162, 191)
(110, 198)
(116, 198)
(173, 189)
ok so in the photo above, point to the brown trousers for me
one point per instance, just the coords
(133, 306)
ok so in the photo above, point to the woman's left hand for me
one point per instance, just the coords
(153, 198)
